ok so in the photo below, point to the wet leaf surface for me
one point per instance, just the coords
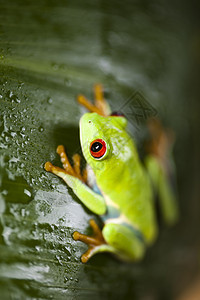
(49, 53)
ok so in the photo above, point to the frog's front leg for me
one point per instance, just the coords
(76, 181)
(75, 170)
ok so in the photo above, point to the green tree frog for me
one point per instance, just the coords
(116, 185)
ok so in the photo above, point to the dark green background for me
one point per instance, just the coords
(50, 51)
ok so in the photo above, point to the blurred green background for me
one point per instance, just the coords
(50, 51)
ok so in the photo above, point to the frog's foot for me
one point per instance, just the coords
(92, 241)
(67, 167)
(53, 169)
(100, 105)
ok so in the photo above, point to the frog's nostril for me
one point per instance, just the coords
(89, 121)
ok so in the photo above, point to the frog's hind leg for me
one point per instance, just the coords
(91, 107)
(100, 101)
(92, 241)
(96, 243)
(161, 168)
(114, 238)
(100, 105)
(126, 243)
(161, 141)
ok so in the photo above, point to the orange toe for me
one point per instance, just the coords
(60, 149)
(48, 166)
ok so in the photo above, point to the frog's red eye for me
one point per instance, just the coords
(98, 148)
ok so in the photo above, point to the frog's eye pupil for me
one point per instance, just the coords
(98, 148)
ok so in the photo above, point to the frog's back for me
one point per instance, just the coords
(136, 204)
(131, 194)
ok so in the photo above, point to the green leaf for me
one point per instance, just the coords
(49, 53)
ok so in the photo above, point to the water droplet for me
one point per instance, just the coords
(23, 212)
(55, 66)
(13, 134)
(41, 129)
(23, 135)
(13, 97)
(37, 248)
(65, 279)
(27, 192)
(4, 192)
(59, 258)
(7, 139)
(49, 100)
(20, 85)
(14, 159)
(52, 227)
(67, 250)
(10, 94)
(76, 259)
(67, 82)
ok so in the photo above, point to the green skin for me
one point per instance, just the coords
(126, 203)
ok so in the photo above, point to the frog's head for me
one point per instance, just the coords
(102, 138)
